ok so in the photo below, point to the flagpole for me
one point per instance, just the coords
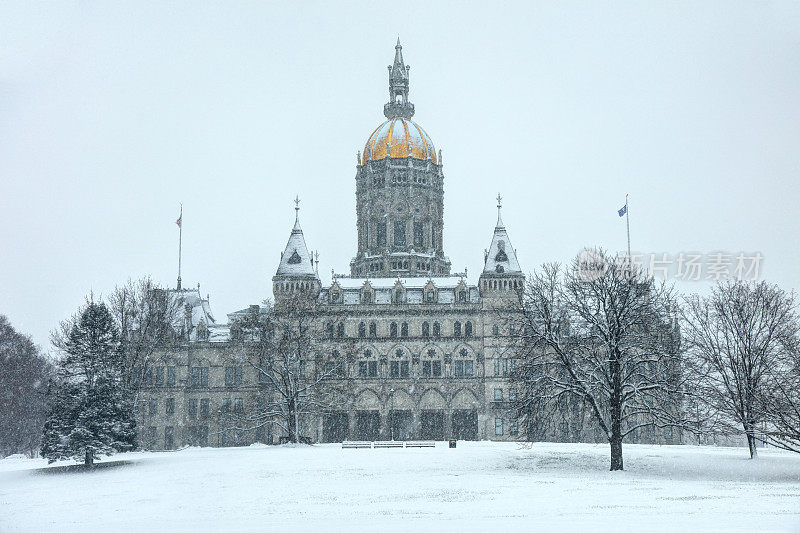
(180, 242)
(628, 224)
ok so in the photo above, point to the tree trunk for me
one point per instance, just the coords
(88, 460)
(616, 450)
(616, 414)
(751, 443)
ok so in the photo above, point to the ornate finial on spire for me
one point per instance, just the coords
(398, 105)
(296, 206)
(499, 206)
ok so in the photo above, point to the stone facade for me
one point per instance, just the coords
(426, 350)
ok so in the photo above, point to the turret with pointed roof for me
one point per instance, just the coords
(297, 272)
(501, 270)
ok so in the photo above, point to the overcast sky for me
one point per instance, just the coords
(113, 113)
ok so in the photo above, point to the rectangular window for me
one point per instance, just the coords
(418, 235)
(498, 395)
(159, 380)
(399, 232)
(497, 367)
(329, 368)
(362, 369)
(498, 426)
(459, 368)
(468, 368)
(233, 376)
(169, 437)
(199, 376)
(226, 405)
(373, 369)
(203, 434)
(381, 233)
(437, 369)
(512, 395)
(204, 405)
(192, 407)
(505, 366)
(151, 437)
(170, 406)
(170, 376)
(152, 407)
(238, 405)
(426, 369)
(513, 427)
(394, 369)
(404, 369)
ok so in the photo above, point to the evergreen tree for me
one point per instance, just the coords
(91, 412)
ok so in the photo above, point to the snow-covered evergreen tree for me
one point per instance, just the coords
(91, 413)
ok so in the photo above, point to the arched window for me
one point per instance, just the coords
(426, 329)
(329, 329)
(495, 330)
(393, 329)
(468, 329)
(398, 296)
(462, 296)
(373, 330)
(431, 296)
(437, 330)
(404, 329)
(457, 329)
(362, 330)
(340, 330)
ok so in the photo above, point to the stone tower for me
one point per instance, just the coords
(502, 276)
(296, 279)
(399, 193)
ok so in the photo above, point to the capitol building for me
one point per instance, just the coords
(409, 349)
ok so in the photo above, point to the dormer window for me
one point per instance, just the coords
(294, 259)
(462, 296)
(336, 297)
(430, 296)
(501, 252)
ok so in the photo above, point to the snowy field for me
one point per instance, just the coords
(476, 487)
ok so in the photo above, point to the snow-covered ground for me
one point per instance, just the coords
(477, 486)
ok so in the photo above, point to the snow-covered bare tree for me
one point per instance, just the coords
(285, 348)
(146, 317)
(599, 333)
(739, 340)
(91, 413)
(24, 373)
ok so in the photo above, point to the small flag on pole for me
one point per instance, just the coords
(621, 211)
(180, 219)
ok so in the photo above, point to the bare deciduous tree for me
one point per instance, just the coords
(738, 340)
(146, 317)
(285, 349)
(599, 332)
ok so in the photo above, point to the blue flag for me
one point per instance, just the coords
(623, 210)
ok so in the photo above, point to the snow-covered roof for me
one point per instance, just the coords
(200, 314)
(501, 258)
(296, 259)
(383, 288)
(441, 282)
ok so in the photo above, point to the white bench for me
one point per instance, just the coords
(356, 444)
(421, 444)
(388, 444)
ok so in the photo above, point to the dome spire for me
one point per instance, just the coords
(398, 105)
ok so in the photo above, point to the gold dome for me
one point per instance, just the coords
(399, 137)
